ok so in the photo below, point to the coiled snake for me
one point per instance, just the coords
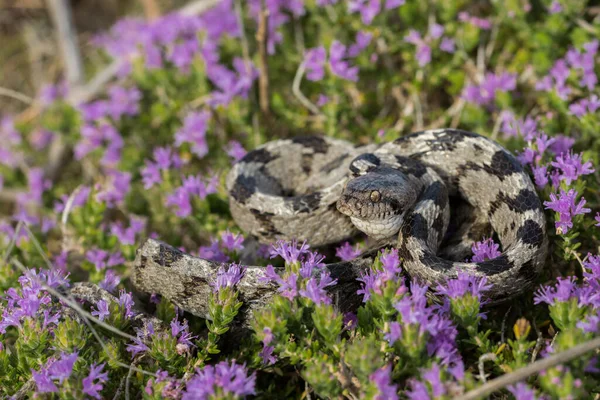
(430, 194)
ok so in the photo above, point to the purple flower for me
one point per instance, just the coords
(138, 346)
(41, 138)
(436, 31)
(92, 388)
(314, 62)
(288, 287)
(540, 176)
(50, 319)
(235, 150)
(562, 292)
(49, 93)
(97, 257)
(346, 252)
(182, 54)
(81, 196)
(481, 23)
(127, 236)
(572, 166)
(362, 41)
(62, 368)
(231, 84)
(512, 126)
(315, 289)
(229, 378)
(115, 189)
(232, 242)
(463, 284)
(289, 251)
(213, 252)
(337, 63)
(390, 263)
(126, 303)
(123, 101)
(43, 382)
(564, 204)
(448, 45)
(181, 200)
(555, 8)
(193, 132)
(368, 9)
(150, 174)
(522, 392)
(485, 250)
(485, 92)
(374, 280)
(413, 311)
(432, 376)
(394, 334)
(102, 310)
(382, 378)
(267, 355)
(229, 277)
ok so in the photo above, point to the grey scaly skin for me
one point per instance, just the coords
(324, 190)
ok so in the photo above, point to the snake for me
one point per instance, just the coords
(429, 194)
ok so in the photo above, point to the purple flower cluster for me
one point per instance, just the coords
(94, 382)
(485, 92)
(485, 250)
(432, 325)
(566, 205)
(424, 44)
(111, 281)
(340, 55)
(114, 190)
(32, 301)
(346, 252)
(127, 235)
(585, 106)
(235, 150)
(193, 132)
(310, 281)
(382, 378)
(228, 378)
(522, 391)
(102, 259)
(369, 9)
(374, 280)
(566, 289)
(80, 197)
(463, 284)
(193, 186)
(55, 370)
(575, 60)
(164, 159)
(183, 335)
(481, 23)
(101, 311)
(219, 250)
(228, 278)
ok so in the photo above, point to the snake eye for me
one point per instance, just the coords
(375, 196)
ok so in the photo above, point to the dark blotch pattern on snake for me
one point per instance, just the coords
(325, 190)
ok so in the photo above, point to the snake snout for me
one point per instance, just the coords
(343, 207)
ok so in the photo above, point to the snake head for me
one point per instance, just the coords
(377, 201)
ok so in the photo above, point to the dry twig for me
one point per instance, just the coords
(534, 368)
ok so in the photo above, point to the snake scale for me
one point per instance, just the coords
(430, 194)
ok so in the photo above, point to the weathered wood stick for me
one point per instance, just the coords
(187, 280)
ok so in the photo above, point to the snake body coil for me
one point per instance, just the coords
(431, 194)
